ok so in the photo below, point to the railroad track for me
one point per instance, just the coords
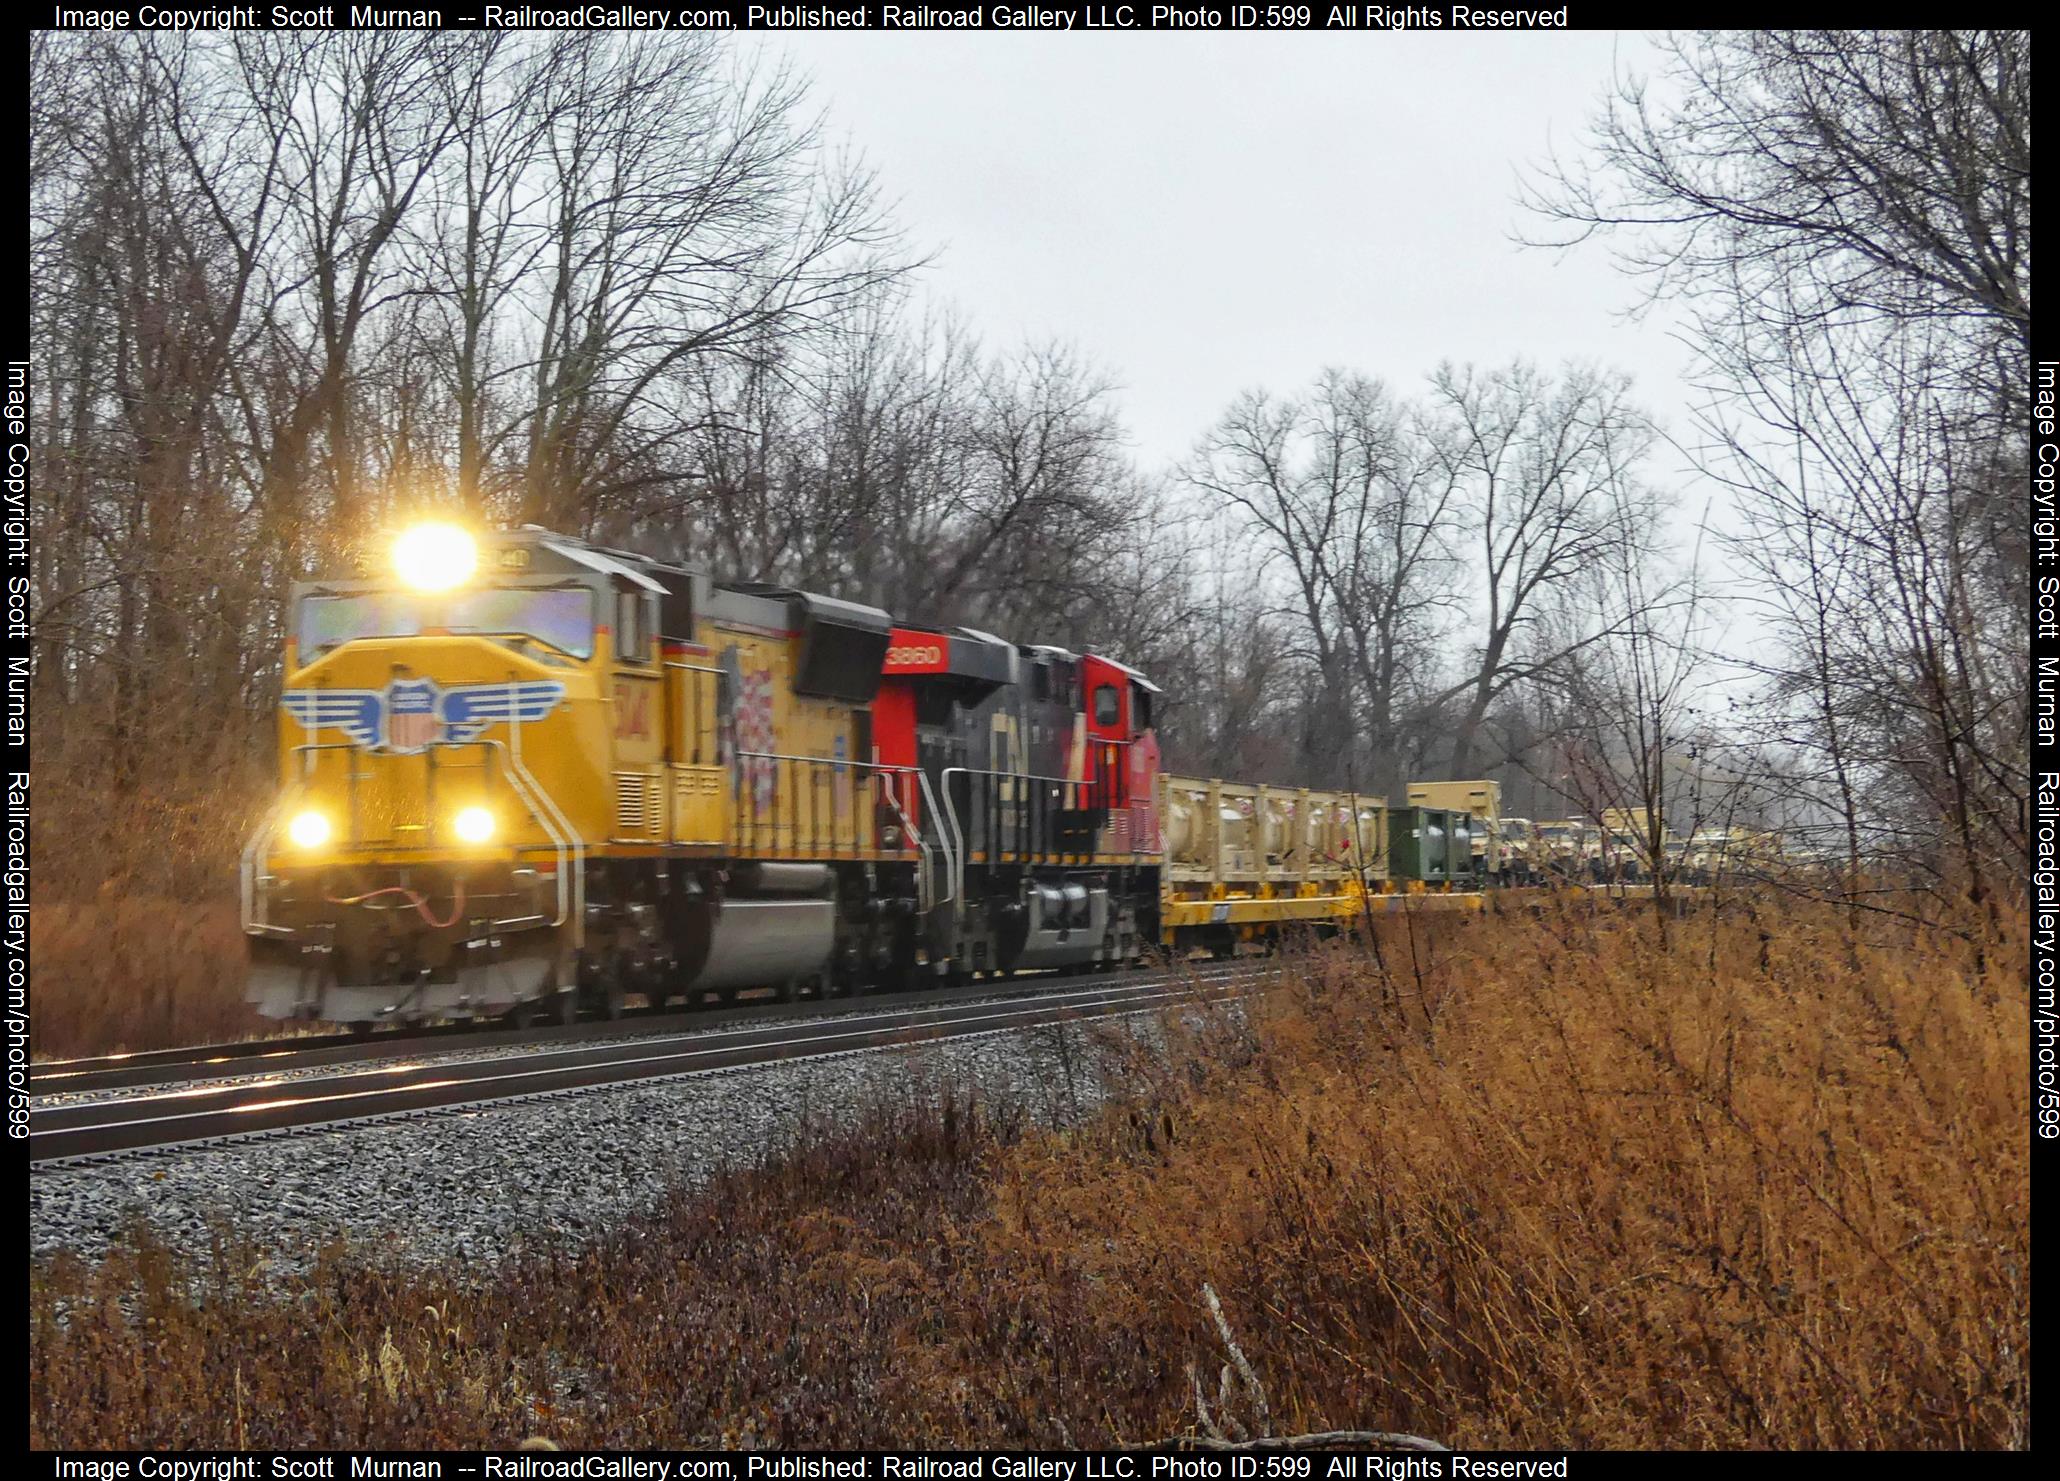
(266, 1056)
(259, 1056)
(242, 1057)
(297, 1051)
(199, 1113)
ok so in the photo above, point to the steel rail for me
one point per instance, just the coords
(239, 1058)
(90, 1129)
(213, 1061)
(203, 1061)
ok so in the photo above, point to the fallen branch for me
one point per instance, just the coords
(1213, 1424)
(1261, 1411)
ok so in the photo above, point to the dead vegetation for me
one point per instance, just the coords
(1552, 1183)
(134, 942)
(137, 972)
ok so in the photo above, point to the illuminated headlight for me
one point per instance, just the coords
(474, 825)
(308, 830)
(434, 557)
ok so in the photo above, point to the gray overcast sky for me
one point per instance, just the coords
(1199, 213)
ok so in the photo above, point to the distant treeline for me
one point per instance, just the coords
(288, 289)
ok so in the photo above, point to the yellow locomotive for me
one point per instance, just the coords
(520, 771)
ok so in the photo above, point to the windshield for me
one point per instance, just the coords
(562, 617)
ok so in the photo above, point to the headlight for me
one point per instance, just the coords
(309, 830)
(474, 825)
(434, 557)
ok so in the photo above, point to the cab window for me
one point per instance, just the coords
(1108, 706)
(559, 617)
(632, 630)
(1140, 708)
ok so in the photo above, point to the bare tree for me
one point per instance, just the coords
(1629, 700)
(1890, 171)
(691, 214)
(481, 245)
(285, 288)
(1900, 660)
(1350, 508)
(1544, 478)
(1846, 218)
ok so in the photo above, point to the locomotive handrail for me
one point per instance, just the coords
(879, 770)
(954, 865)
(923, 850)
(251, 903)
(565, 840)
(578, 844)
(247, 865)
(958, 837)
(926, 891)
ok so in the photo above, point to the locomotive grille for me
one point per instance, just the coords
(639, 805)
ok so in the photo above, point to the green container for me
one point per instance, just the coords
(1419, 844)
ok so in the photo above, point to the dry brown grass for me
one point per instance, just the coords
(137, 973)
(1550, 1184)
(134, 936)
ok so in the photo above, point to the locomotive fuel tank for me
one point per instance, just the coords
(757, 941)
(775, 926)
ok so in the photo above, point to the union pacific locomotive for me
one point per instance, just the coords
(523, 773)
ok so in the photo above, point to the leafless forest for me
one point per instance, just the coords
(289, 287)
(1752, 1174)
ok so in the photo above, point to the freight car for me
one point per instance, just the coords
(523, 773)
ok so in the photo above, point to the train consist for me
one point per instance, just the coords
(521, 773)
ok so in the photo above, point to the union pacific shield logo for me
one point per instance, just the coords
(411, 718)
(410, 715)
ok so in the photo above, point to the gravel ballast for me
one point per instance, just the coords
(552, 1171)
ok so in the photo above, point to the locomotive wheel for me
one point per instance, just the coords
(604, 993)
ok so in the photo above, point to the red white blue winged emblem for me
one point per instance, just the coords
(412, 714)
